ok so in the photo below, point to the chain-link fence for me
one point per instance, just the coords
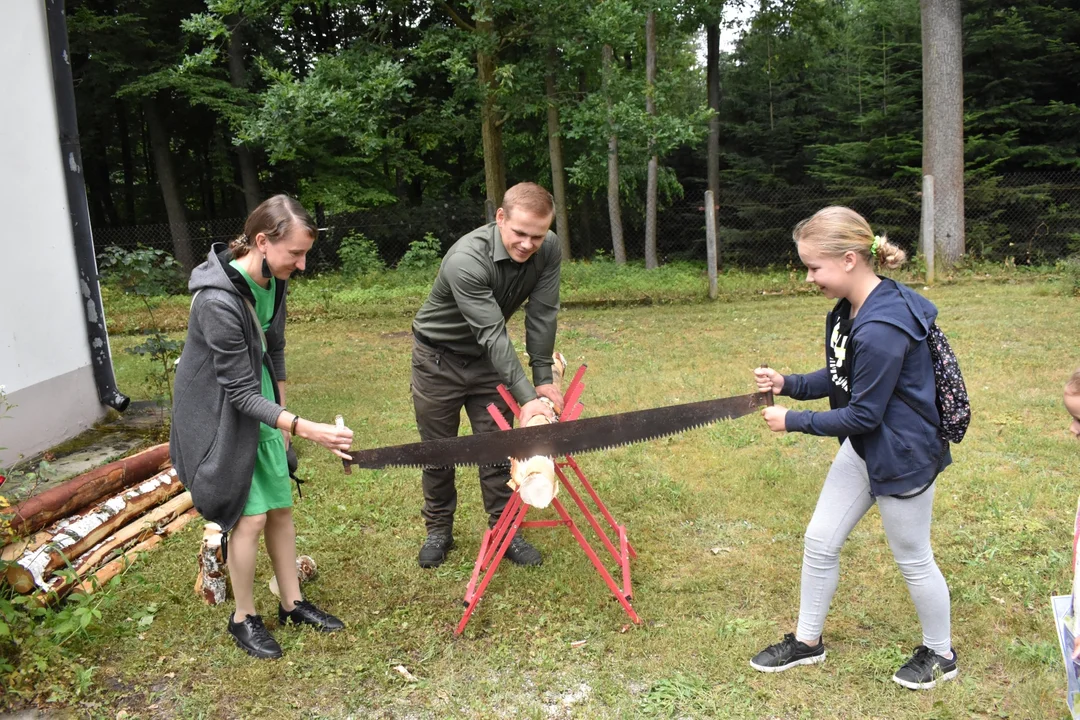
(1031, 218)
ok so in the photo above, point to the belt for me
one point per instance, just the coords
(426, 341)
(442, 349)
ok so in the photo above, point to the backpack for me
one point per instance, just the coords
(951, 393)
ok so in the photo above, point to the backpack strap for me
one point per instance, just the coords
(924, 416)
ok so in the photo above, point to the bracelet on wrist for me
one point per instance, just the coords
(292, 428)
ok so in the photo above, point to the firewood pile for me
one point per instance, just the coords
(77, 536)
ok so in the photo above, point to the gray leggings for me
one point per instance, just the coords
(844, 500)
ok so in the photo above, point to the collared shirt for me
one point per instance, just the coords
(478, 288)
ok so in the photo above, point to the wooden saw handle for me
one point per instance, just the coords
(769, 395)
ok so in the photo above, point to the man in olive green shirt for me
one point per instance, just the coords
(462, 351)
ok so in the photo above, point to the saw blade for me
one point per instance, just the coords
(559, 439)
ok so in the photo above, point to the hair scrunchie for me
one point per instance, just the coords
(878, 242)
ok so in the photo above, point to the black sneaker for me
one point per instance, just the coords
(522, 553)
(304, 613)
(788, 653)
(253, 638)
(434, 550)
(925, 669)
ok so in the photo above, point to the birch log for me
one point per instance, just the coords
(83, 491)
(535, 478)
(14, 550)
(138, 531)
(114, 568)
(212, 582)
(75, 535)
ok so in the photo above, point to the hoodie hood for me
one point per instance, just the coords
(898, 305)
(216, 272)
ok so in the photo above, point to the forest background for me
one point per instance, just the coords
(395, 119)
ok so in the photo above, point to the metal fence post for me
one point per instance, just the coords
(710, 242)
(928, 226)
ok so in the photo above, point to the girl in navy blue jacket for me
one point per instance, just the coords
(879, 379)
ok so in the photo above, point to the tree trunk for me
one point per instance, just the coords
(102, 210)
(491, 127)
(618, 246)
(249, 176)
(127, 161)
(84, 490)
(943, 123)
(712, 81)
(651, 261)
(170, 189)
(585, 214)
(558, 174)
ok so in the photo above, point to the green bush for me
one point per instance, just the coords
(1070, 271)
(146, 272)
(423, 254)
(359, 255)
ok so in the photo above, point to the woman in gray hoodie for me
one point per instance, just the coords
(230, 429)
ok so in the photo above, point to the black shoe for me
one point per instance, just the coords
(788, 653)
(925, 669)
(253, 638)
(434, 550)
(304, 613)
(522, 553)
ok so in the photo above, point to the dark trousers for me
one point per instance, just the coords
(443, 383)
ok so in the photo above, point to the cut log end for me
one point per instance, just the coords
(306, 571)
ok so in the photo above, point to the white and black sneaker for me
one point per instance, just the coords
(926, 669)
(788, 653)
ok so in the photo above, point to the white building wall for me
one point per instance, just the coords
(44, 359)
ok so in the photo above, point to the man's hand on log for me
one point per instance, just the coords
(551, 392)
(533, 408)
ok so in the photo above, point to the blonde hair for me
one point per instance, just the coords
(529, 197)
(836, 230)
(1073, 386)
(274, 217)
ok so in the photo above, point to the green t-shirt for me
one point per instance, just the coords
(264, 309)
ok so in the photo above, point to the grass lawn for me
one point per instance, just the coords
(716, 515)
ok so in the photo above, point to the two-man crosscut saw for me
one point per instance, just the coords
(559, 439)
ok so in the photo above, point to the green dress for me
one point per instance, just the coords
(270, 488)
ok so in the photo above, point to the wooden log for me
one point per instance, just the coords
(114, 568)
(305, 572)
(83, 491)
(212, 582)
(14, 550)
(558, 369)
(534, 478)
(141, 529)
(79, 533)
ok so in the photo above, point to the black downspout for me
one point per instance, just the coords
(64, 90)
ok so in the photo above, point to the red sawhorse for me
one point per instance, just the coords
(497, 539)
